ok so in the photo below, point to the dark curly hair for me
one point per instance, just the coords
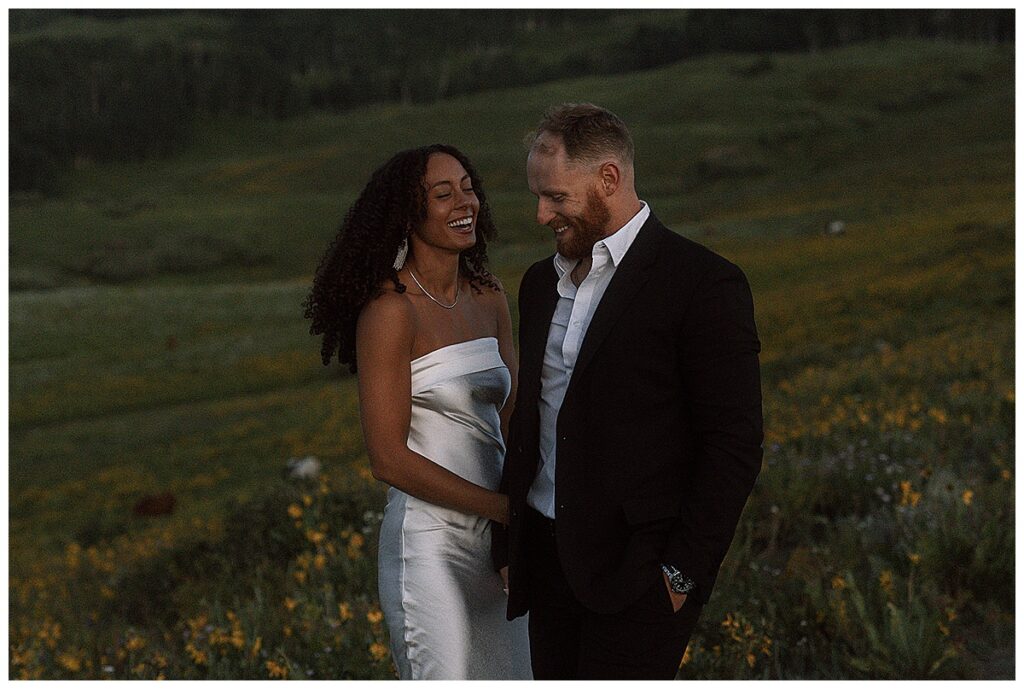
(362, 254)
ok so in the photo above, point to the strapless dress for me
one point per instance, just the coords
(443, 603)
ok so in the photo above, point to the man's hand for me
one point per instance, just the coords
(504, 577)
(677, 598)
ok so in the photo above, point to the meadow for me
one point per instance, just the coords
(157, 345)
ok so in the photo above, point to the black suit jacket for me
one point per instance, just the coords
(659, 436)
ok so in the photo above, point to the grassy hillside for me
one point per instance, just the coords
(157, 345)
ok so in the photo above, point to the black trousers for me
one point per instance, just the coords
(567, 641)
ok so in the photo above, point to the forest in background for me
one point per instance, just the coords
(123, 85)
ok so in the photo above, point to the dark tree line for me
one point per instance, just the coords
(101, 95)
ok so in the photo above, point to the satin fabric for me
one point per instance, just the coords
(442, 600)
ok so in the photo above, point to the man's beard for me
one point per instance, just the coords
(586, 229)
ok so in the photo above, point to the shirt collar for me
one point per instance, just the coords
(617, 243)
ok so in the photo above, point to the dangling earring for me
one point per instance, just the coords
(403, 251)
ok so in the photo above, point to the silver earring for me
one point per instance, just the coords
(403, 251)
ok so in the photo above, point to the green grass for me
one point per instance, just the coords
(887, 367)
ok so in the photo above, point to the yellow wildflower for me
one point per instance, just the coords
(71, 554)
(276, 671)
(256, 646)
(307, 500)
(135, 643)
(69, 662)
(885, 581)
(198, 657)
(951, 614)
(838, 583)
(294, 511)
(290, 603)
(1005, 473)
(914, 558)
(943, 629)
(751, 659)
(687, 656)
(909, 495)
(355, 542)
(967, 497)
(314, 536)
(320, 561)
(344, 611)
(374, 616)
(300, 576)
(378, 650)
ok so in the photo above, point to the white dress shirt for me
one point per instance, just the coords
(575, 309)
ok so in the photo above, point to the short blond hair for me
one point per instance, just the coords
(589, 133)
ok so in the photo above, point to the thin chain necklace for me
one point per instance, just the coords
(432, 298)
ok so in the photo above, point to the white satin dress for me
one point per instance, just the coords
(442, 600)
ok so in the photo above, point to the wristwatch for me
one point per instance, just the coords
(677, 581)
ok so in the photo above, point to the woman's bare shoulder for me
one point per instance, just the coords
(388, 310)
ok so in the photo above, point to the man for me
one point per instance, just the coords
(636, 437)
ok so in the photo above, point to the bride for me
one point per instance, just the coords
(403, 290)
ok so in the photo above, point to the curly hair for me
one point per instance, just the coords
(361, 256)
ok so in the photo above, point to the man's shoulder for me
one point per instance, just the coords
(692, 257)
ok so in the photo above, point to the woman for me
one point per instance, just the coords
(403, 292)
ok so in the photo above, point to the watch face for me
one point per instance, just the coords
(683, 584)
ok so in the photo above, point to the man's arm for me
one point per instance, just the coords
(721, 381)
(499, 532)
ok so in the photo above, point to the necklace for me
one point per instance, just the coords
(432, 298)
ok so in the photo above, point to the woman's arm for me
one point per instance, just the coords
(508, 355)
(384, 339)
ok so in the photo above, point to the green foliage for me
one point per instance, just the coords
(238, 611)
(123, 85)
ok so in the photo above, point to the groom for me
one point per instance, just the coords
(636, 436)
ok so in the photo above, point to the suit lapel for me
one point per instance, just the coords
(630, 276)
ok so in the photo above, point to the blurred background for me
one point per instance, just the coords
(189, 495)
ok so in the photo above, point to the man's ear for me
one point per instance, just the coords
(611, 177)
